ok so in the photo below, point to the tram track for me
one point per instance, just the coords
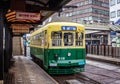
(86, 79)
(103, 75)
(92, 75)
(80, 78)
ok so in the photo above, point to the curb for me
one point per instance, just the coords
(103, 59)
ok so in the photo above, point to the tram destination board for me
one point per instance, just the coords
(68, 28)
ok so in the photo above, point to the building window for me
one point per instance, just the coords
(105, 5)
(118, 1)
(101, 12)
(66, 14)
(90, 17)
(90, 1)
(86, 2)
(118, 13)
(112, 2)
(113, 14)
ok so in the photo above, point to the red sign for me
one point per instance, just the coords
(27, 16)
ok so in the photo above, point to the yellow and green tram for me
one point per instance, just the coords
(60, 46)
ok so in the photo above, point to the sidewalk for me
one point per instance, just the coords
(107, 59)
(1, 82)
(25, 71)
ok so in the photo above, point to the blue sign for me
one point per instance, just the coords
(112, 33)
(68, 28)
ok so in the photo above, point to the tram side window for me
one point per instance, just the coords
(68, 39)
(31, 40)
(79, 39)
(35, 39)
(39, 39)
(56, 38)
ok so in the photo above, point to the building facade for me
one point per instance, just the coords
(115, 20)
(114, 10)
(87, 11)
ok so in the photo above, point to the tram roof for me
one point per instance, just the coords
(58, 24)
(66, 23)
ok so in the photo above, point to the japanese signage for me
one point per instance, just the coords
(68, 28)
(27, 16)
(20, 28)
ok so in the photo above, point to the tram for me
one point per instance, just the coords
(60, 46)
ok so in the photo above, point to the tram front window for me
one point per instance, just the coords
(68, 39)
(56, 38)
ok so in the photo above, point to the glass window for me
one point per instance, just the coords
(90, 1)
(106, 13)
(67, 14)
(85, 18)
(70, 14)
(98, 3)
(113, 14)
(79, 39)
(90, 10)
(94, 18)
(94, 10)
(90, 18)
(56, 38)
(86, 2)
(112, 2)
(93, 2)
(77, 4)
(82, 3)
(118, 13)
(105, 5)
(118, 1)
(68, 39)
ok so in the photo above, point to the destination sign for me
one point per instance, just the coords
(68, 28)
(27, 16)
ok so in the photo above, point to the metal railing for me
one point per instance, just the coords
(104, 50)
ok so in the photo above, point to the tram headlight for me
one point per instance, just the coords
(69, 54)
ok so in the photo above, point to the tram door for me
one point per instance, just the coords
(46, 47)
